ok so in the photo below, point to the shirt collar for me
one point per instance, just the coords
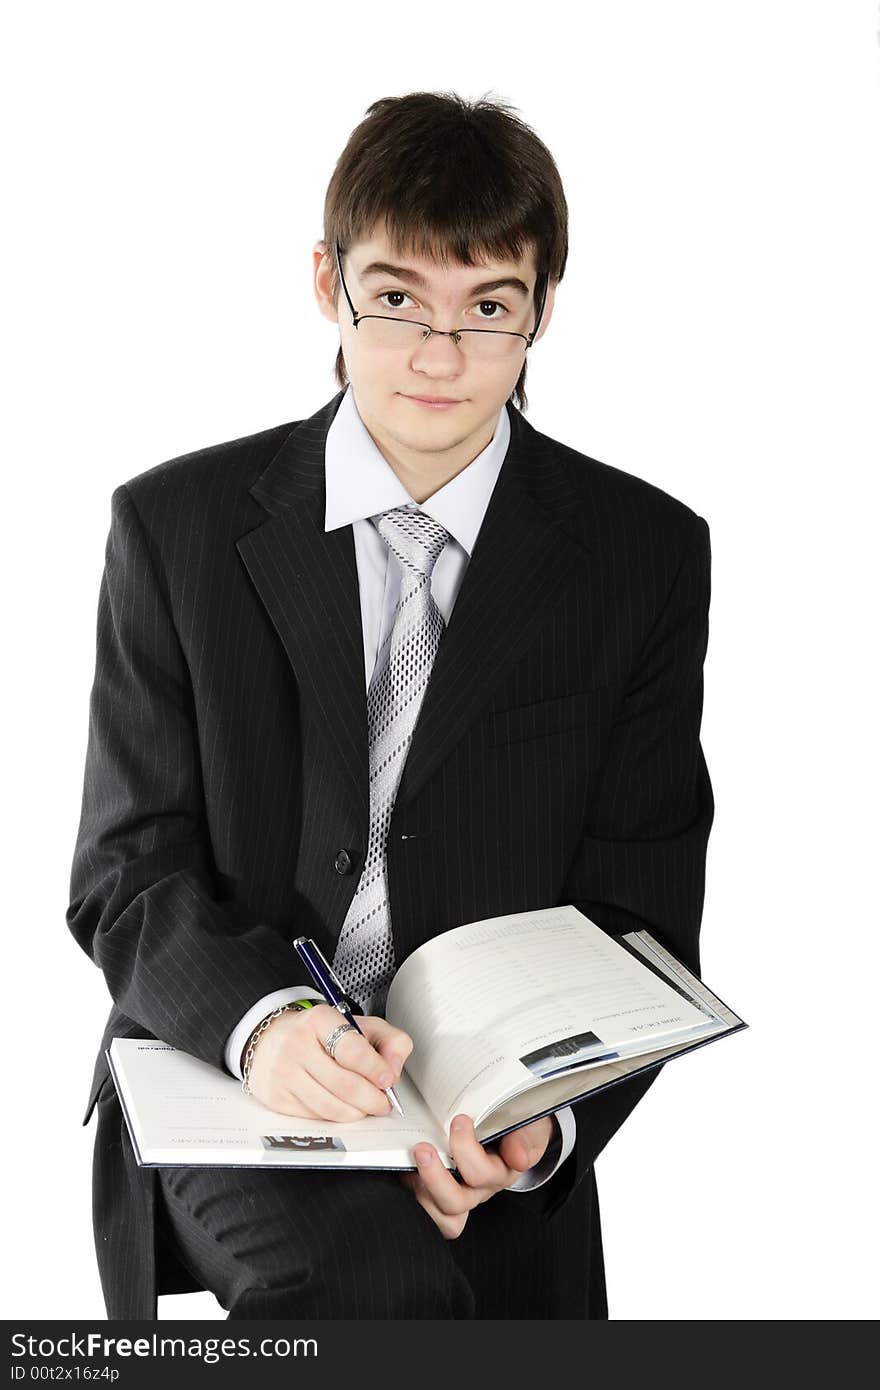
(360, 482)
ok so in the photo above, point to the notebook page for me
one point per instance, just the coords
(494, 1005)
(180, 1110)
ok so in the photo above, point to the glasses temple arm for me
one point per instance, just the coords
(546, 286)
(354, 312)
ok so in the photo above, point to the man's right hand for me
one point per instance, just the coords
(293, 1074)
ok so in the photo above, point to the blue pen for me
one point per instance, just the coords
(331, 987)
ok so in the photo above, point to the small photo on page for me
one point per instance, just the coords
(302, 1143)
(566, 1053)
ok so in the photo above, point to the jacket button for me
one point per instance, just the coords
(343, 862)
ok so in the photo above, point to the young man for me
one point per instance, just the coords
(401, 665)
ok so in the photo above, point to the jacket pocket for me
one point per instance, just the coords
(546, 718)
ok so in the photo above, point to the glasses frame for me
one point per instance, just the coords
(454, 333)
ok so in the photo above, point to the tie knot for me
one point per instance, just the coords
(416, 538)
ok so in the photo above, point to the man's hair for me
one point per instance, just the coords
(451, 180)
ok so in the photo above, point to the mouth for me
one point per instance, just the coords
(434, 402)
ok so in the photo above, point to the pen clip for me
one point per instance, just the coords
(331, 973)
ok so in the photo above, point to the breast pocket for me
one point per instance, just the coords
(548, 718)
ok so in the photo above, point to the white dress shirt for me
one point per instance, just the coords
(360, 485)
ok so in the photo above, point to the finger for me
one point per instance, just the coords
(477, 1167)
(348, 1086)
(355, 1053)
(285, 1102)
(301, 1050)
(450, 1227)
(435, 1182)
(392, 1043)
(525, 1147)
(316, 1102)
(516, 1151)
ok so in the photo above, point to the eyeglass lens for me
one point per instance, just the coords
(403, 333)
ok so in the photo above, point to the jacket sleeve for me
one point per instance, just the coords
(641, 863)
(179, 961)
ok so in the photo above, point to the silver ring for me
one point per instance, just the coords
(330, 1043)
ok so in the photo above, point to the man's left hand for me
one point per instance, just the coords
(482, 1173)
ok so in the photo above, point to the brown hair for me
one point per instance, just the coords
(449, 179)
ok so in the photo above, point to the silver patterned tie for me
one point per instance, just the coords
(364, 957)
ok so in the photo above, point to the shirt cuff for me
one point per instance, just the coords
(238, 1038)
(557, 1151)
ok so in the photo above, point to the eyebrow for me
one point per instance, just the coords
(400, 272)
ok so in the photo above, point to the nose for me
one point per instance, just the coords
(438, 350)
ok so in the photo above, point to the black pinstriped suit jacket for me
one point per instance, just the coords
(556, 758)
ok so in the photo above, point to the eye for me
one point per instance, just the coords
(392, 294)
(492, 304)
(398, 295)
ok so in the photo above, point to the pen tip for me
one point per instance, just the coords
(394, 1101)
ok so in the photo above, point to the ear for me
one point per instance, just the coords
(322, 263)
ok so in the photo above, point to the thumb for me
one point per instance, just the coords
(527, 1144)
(515, 1151)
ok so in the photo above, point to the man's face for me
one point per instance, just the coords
(389, 383)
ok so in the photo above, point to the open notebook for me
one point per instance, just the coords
(511, 1018)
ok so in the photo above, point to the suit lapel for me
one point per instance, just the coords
(521, 559)
(307, 580)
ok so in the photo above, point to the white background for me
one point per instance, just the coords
(715, 333)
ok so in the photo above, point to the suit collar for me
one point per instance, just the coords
(296, 473)
(360, 482)
(307, 579)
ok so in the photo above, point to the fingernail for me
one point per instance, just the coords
(423, 1157)
(385, 1081)
(458, 1124)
